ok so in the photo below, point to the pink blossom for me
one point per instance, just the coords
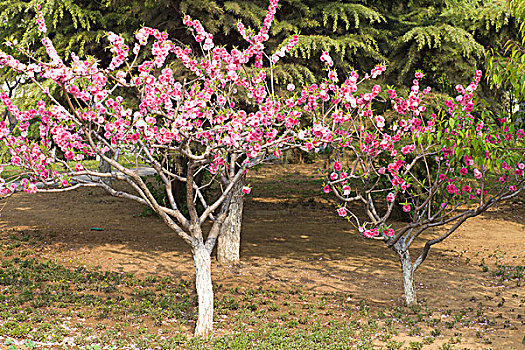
(407, 149)
(463, 171)
(480, 126)
(326, 189)
(338, 166)
(371, 233)
(389, 232)
(332, 75)
(380, 121)
(31, 188)
(333, 176)
(221, 100)
(478, 174)
(40, 21)
(290, 87)
(246, 190)
(342, 211)
(325, 57)
(392, 94)
(451, 189)
(513, 188)
(406, 208)
(390, 197)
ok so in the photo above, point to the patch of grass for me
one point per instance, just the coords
(273, 336)
(44, 301)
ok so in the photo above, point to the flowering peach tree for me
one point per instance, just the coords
(437, 170)
(135, 108)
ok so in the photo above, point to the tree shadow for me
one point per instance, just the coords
(304, 245)
(291, 246)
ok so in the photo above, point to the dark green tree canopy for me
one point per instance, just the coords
(446, 39)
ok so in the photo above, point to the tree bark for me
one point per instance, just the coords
(408, 275)
(204, 287)
(105, 167)
(229, 241)
(11, 120)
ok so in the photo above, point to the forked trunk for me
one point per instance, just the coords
(229, 242)
(204, 291)
(408, 278)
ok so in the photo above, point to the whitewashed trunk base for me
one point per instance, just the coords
(204, 291)
(408, 278)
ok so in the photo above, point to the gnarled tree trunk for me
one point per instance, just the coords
(229, 242)
(204, 287)
(408, 273)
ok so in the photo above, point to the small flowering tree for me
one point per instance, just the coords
(440, 170)
(135, 108)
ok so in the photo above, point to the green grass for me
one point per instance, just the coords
(45, 301)
(336, 335)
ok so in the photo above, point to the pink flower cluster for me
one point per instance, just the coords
(285, 49)
(413, 103)
(40, 20)
(119, 49)
(202, 35)
(325, 57)
(375, 232)
(168, 113)
(384, 155)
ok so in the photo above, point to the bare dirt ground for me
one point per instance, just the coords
(292, 237)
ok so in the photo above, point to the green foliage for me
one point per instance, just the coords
(75, 26)
(433, 40)
(446, 39)
(506, 67)
(349, 14)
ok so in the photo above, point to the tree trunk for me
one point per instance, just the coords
(105, 167)
(408, 277)
(204, 287)
(11, 120)
(229, 242)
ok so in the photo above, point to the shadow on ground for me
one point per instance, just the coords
(286, 243)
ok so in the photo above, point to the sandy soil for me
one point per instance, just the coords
(288, 240)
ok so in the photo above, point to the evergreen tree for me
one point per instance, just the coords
(75, 26)
(444, 38)
(506, 68)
